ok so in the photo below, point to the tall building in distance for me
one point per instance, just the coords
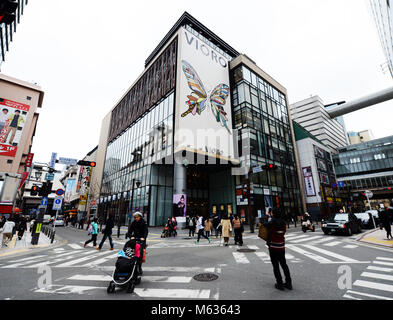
(158, 150)
(311, 114)
(382, 14)
(359, 137)
(7, 30)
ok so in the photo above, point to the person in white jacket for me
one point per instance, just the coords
(7, 232)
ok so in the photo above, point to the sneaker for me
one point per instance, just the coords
(111, 248)
(288, 285)
(279, 286)
(208, 239)
(98, 248)
(84, 246)
(196, 241)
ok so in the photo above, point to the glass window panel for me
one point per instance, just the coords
(246, 74)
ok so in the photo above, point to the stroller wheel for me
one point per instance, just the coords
(131, 287)
(111, 287)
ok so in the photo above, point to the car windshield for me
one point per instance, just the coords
(341, 217)
(363, 215)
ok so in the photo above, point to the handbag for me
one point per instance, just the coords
(263, 232)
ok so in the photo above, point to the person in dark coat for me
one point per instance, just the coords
(276, 244)
(216, 224)
(22, 227)
(386, 222)
(107, 232)
(138, 230)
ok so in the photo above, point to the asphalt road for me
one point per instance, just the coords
(314, 259)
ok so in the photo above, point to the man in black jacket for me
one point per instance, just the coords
(107, 232)
(138, 230)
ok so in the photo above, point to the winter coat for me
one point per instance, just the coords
(208, 225)
(226, 228)
(94, 227)
(138, 229)
(237, 224)
(108, 227)
(277, 229)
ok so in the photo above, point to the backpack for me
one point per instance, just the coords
(191, 223)
(90, 230)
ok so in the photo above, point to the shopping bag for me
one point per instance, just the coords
(263, 232)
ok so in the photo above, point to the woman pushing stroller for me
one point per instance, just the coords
(138, 230)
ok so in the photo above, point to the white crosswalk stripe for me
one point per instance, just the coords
(74, 262)
(332, 244)
(326, 239)
(331, 254)
(309, 254)
(74, 246)
(308, 239)
(350, 246)
(374, 282)
(240, 257)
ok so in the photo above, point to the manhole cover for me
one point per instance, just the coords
(246, 250)
(206, 277)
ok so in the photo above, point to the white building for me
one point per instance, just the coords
(382, 14)
(311, 114)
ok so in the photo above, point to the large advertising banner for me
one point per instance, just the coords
(12, 119)
(179, 205)
(70, 190)
(203, 116)
(309, 182)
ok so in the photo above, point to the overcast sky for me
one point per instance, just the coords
(86, 54)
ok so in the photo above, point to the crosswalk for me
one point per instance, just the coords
(156, 283)
(376, 282)
(316, 238)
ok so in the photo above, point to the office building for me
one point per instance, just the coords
(178, 140)
(311, 114)
(359, 137)
(20, 102)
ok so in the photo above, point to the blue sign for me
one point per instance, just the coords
(341, 184)
(59, 192)
(53, 160)
(44, 201)
(57, 203)
(49, 176)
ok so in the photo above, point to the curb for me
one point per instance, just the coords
(360, 239)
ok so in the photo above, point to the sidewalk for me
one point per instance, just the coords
(376, 236)
(23, 245)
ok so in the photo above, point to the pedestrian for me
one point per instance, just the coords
(138, 230)
(7, 232)
(22, 227)
(238, 228)
(201, 229)
(191, 226)
(174, 226)
(2, 221)
(386, 222)
(88, 223)
(216, 223)
(276, 243)
(94, 232)
(226, 228)
(107, 231)
(208, 227)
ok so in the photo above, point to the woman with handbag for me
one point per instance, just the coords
(226, 229)
(93, 230)
(238, 229)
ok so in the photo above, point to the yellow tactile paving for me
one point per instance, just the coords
(371, 239)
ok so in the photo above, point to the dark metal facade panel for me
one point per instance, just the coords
(156, 82)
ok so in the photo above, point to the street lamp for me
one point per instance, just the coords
(38, 174)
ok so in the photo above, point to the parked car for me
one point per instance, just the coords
(344, 223)
(367, 220)
(47, 218)
(58, 222)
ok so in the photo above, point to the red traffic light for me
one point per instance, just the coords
(389, 188)
(271, 166)
(92, 164)
(34, 188)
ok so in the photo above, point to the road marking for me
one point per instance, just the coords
(59, 258)
(73, 262)
(26, 259)
(350, 297)
(174, 279)
(384, 258)
(383, 263)
(303, 240)
(263, 256)
(240, 257)
(350, 246)
(329, 253)
(75, 246)
(369, 295)
(297, 237)
(332, 244)
(380, 269)
(326, 239)
(310, 255)
(90, 277)
(377, 276)
(173, 293)
(253, 247)
(374, 285)
(68, 289)
(99, 261)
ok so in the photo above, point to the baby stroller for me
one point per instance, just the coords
(127, 269)
(165, 232)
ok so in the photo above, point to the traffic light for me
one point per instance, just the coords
(46, 189)
(34, 190)
(269, 166)
(86, 163)
(7, 11)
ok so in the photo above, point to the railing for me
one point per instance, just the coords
(49, 232)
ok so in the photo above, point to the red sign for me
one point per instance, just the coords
(29, 160)
(23, 179)
(7, 150)
(16, 105)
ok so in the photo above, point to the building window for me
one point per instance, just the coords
(28, 98)
(379, 156)
(9, 161)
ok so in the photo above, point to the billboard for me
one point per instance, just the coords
(70, 190)
(309, 182)
(203, 116)
(12, 120)
(179, 205)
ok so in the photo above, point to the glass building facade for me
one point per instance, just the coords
(260, 112)
(139, 171)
